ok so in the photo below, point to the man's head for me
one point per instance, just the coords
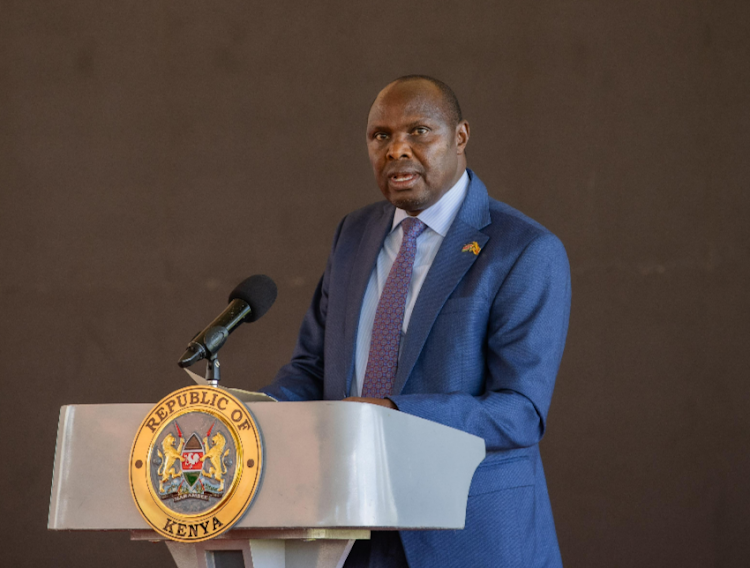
(416, 139)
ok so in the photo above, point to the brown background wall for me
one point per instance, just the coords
(153, 154)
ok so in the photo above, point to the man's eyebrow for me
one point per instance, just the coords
(418, 122)
(408, 126)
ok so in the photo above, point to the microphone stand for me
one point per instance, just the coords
(213, 375)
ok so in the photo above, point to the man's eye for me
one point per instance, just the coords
(380, 136)
(421, 130)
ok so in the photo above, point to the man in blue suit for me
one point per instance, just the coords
(446, 304)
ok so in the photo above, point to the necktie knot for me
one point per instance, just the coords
(412, 227)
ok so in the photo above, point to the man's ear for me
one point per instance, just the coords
(462, 136)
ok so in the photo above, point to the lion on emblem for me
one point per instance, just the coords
(167, 471)
(216, 455)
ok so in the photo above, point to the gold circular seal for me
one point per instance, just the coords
(195, 464)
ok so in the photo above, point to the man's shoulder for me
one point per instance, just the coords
(354, 226)
(515, 235)
(511, 232)
(357, 221)
(506, 218)
(368, 211)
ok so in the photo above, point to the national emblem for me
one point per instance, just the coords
(194, 490)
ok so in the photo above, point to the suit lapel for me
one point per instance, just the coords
(449, 267)
(362, 266)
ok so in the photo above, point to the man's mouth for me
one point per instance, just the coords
(403, 180)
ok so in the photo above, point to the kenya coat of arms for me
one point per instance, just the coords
(194, 469)
(195, 463)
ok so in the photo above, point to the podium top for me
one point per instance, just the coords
(327, 464)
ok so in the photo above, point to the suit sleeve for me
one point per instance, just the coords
(528, 322)
(302, 377)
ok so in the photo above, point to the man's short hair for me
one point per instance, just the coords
(452, 108)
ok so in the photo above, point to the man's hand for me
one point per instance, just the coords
(379, 401)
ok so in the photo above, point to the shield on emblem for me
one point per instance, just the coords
(191, 460)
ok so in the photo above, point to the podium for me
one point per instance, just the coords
(333, 472)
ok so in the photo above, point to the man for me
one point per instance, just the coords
(446, 304)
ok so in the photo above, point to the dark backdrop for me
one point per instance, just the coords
(153, 154)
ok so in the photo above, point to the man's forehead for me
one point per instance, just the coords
(407, 103)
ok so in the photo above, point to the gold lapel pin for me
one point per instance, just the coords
(472, 247)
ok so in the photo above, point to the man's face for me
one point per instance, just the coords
(416, 153)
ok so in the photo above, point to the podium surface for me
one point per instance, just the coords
(334, 465)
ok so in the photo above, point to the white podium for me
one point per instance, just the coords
(333, 472)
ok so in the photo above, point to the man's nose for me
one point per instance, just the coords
(399, 149)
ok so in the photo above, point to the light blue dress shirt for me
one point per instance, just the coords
(438, 219)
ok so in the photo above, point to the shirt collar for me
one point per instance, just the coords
(440, 216)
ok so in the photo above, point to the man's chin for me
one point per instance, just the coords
(410, 203)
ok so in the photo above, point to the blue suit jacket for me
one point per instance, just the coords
(481, 354)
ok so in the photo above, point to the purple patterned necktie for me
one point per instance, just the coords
(389, 316)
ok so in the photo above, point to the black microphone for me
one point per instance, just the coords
(250, 300)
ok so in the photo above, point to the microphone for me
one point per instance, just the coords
(249, 301)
